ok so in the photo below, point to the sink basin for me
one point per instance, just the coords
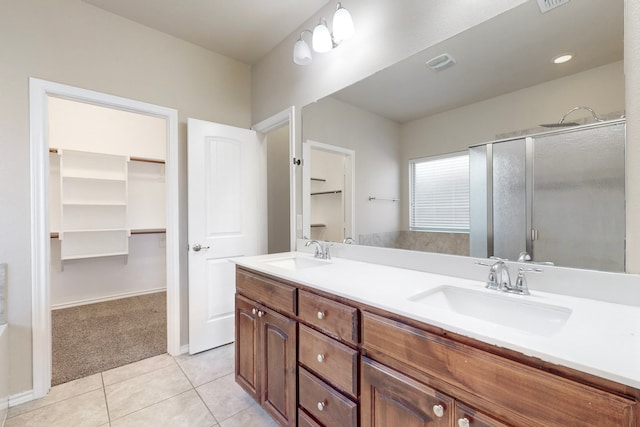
(297, 263)
(507, 310)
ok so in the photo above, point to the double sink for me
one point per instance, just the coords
(518, 312)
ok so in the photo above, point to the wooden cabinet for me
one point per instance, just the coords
(509, 391)
(266, 352)
(329, 360)
(467, 417)
(324, 403)
(390, 398)
(333, 318)
(333, 361)
(361, 366)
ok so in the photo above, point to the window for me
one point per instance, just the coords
(439, 193)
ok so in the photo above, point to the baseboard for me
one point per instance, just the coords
(19, 398)
(105, 299)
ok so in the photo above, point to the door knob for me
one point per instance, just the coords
(198, 247)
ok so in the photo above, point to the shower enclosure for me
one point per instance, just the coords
(559, 196)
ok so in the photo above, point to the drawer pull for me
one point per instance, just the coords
(321, 315)
(321, 406)
(438, 410)
(320, 358)
(260, 313)
(463, 422)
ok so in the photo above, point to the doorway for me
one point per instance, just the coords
(279, 131)
(107, 221)
(40, 91)
(328, 192)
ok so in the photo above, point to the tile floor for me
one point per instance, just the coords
(189, 391)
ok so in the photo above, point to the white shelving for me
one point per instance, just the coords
(93, 205)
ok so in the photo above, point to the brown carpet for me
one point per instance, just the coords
(96, 337)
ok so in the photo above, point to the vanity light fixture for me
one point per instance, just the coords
(565, 57)
(322, 40)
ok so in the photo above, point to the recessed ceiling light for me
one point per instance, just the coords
(562, 58)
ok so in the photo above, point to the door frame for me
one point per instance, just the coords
(39, 91)
(349, 193)
(278, 120)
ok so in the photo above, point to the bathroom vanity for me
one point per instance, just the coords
(347, 343)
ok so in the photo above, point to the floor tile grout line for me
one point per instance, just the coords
(52, 403)
(152, 404)
(206, 406)
(106, 402)
(140, 374)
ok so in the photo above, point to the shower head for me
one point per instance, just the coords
(561, 122)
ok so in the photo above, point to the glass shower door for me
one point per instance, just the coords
(578, 215)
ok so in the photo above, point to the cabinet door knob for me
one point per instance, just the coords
(260, 313)
(321, 406)
(254, 311)
(320, 357)
(463, 422)
(438, 410)
(321, 315)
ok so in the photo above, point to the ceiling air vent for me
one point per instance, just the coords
(547, 5)
(441, 62)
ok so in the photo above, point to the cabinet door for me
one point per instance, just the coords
(277, 337)
(467, 417)
(391, 399)
(247, 346)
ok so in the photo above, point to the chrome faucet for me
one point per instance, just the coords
(322, 251)
(348, 240)
(499, 278)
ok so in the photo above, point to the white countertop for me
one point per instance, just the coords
(600, 338)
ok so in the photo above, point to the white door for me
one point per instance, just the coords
(227, 206)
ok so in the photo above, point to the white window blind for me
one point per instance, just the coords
(440, 193)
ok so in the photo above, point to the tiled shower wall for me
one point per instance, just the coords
(445, 243)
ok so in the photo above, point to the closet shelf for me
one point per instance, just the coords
(86, 178)
(326, 192)
(132, 158)
(56, 234)
(94, 230)
(100, 255)
(94, 204)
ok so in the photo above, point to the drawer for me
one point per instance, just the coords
(334, 318)
(543, 398)
(269, 292)
(305, 420)
(335, 362)
(324, 403)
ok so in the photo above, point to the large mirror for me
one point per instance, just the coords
(500, 82)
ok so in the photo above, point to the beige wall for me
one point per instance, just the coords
(601, 88)
(376, 142)
(278, 163)
(632, 103)
(71, 42)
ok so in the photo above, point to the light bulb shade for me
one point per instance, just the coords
(322, 39)
(301, 53)
(343, 28)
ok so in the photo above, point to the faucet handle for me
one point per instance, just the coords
(327, 253)
(493, 282)
(521, 281)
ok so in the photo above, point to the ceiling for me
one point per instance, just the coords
(241, 29)
(509, 52)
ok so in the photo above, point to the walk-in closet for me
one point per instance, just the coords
(107, 222)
